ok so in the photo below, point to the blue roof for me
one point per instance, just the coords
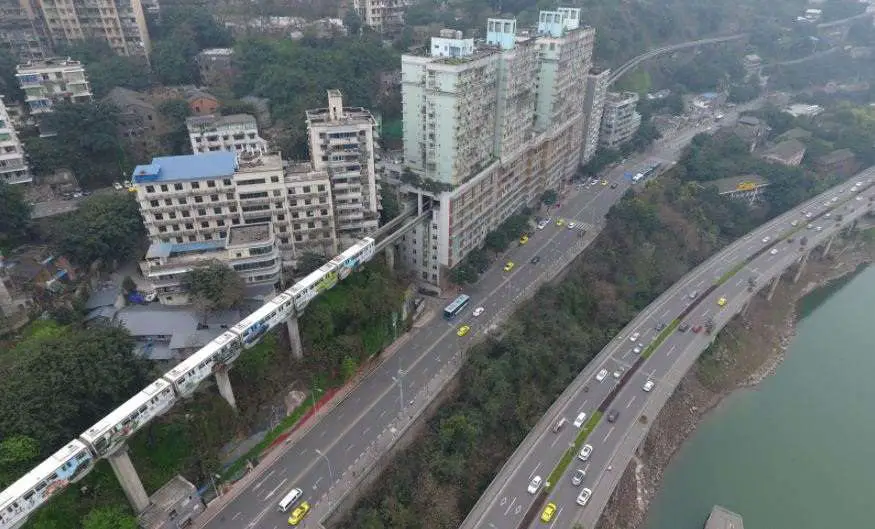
(197, 246)
(205, 166)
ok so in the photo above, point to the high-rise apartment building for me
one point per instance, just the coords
(342, 141)
(197, 198)
(495, 125)
(120, 23)
(22, 30)
(234, 133)
(52, 81)
(13, 167)
(593, 105)
(381, 15)
(620, 120)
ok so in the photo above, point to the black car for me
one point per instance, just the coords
(535, 260)
(612, 416)
(614, 185)
(660, 326)
(683, 327)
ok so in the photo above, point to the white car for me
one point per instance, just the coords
(602, 374)
(766, 239)
(534, 485)
(585, 452)
(794, 223)
(127, 183)
(774, 251)
(807, 214)
(583, 497)
(542, 224)
(117, 186)
(810, 226)
(834, 200)
(478, 311)
(571, 225)
(858, 198)
(648, 386)
(819, 228)
(578, 476)
(578, 422)
(828, 215)
(634, 336)
(618, 373)
(637, 350)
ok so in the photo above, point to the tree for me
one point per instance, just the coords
(175, 111)
(17, 454)
(549, 197)
(109, 518)
(96, 368)
(310, 262)
(106, 70)
(8, 82)
(391, 205)
(353, 22)
(106, 227)
(128, 284)
(14, 214)
(214, 287)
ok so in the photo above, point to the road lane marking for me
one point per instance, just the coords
(533, 471)
(271, 493)
(631, 401)
(510, 506)
(670, 351)
(258, 517)
(605, 440)
(260, 483)
(556, 518)
(316, 485)
(236, 516)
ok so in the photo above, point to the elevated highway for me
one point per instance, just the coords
(710, 295)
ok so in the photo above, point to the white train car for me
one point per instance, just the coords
(353, 257)
(67, 465)
(255, 326)
(186, 376)
(114, 429)
(308, 288)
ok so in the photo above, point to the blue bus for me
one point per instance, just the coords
(457, 306)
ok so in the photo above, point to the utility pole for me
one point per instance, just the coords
(400, 381)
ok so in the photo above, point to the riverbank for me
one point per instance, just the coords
(747, 351)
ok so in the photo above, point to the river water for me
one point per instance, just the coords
(797, 451)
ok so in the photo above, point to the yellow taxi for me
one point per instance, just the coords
(509, 266)
(299, 513)
(524, 239)
(560, 222)
(721, 302)
(604, 182)
(548, 513)
(463, 330)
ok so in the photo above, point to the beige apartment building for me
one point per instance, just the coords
(198, 198)
(120, 23)
(234, 133)
(495, 124)
(342, 142)
(620, 120)
(13, 165)
(381, 15)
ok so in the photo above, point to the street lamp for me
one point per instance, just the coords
(330, 476)
(313, 397)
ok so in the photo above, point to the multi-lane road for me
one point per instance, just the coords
(507, 500)
(346, 432)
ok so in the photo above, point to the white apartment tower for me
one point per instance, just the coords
(381, 15)
(197, 198)
(494, 125)
(620, 120)
(593, 105)
(52, 81)
(13, 167)
(234, 133)
(342, 141)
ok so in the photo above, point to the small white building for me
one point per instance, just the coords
(235, 133)
(51, 81)
(13, 166)
(620, 120)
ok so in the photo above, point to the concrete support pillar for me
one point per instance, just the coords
(773, 288)
(828, 246)
(295, 338)
(225, 389)
(802, 263)
(127, 477)
(390, 257)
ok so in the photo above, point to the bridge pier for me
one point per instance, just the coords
(828, 246)
(127, 477)
(225, 389)
(773, 287)
(295, 338)
(802, 263)
(390, 256)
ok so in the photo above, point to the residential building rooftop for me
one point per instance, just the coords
(186, 167)
(721, 518)
(46, 64)
(246, 235)
(789, 152)
(167, 249)
(213, 120)
(739, 183)
(836, 156)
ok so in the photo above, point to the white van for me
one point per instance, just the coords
(290, 499)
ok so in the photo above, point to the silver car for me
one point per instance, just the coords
(578, 476)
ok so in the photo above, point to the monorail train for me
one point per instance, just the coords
(76, 459)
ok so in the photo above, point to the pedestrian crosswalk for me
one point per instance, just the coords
(583, 226)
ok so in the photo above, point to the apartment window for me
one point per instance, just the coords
(293, 203)
(322, 200)
(186, 214)
(291, 190)
(201, 212)
(214, 198)
(208, 236)
(229, 196)
(181, 201)
(223, 234)
(195, 185)
(159, 216)
(175, 227)
(296, 226)
(217, 211)
(235, 222)
(172, 215)
(308, 202)
(324, 223)
(163, 187)
(278, 205)
(192, 238)
(282, 229)
(295, 215)
(162, 229)
(320, 187)
(150, 189)
(233, 209)
(274, 179)
(311, 225)
(226, 182)
(323, 212)
(177, 187)
(168, 202)
(299, 237)
(198, 199)
(189, 226)
(284, 240)
(205, 224)
(211, 183)
(280, 217)
(179, 239)
(220, 222)
(306, 189)
(276, 192)
(154, 203)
